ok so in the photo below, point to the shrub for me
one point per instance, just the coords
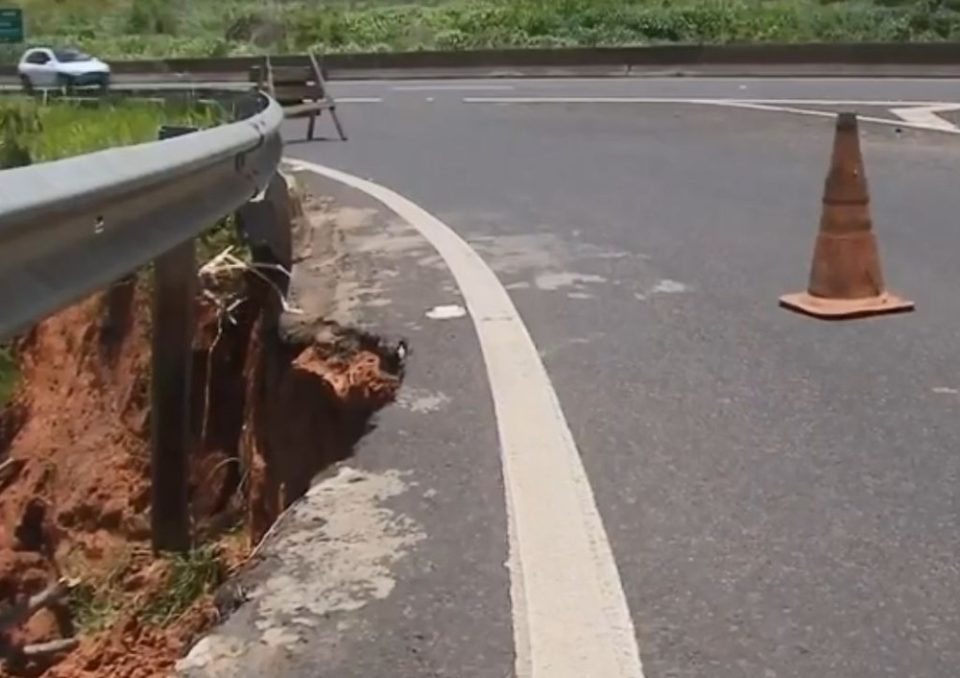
(152, 17)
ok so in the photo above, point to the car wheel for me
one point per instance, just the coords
(27, 84)
(104, 84)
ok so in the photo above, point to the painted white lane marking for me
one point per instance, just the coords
(641, 83)
(927, 115)
(359, 100)
(822, 114)
(886, 103)
(925, 120)
(570, 615)
(452, 88)
(575, 100)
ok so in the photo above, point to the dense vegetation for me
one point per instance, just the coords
(31, 131)
(137, 28)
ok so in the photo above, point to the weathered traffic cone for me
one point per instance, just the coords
(845, 278)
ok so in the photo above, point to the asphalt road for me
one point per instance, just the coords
(780, 494)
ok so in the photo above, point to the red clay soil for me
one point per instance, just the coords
(287, 443)
(74, 485)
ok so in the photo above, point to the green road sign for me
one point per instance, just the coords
(11, 25)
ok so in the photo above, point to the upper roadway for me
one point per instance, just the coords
(780, 494)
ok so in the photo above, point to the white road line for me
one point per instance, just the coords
(572, 100)
(452, 88)
(927, 115)
(823, 114)
(359, 100)
(570, 615)
(915, 114)
(696, 100)
(884, 103)
(642, 81)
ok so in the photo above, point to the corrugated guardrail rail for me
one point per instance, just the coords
(72, 226)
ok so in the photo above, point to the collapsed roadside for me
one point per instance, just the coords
(270, 408)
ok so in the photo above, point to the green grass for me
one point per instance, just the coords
(33, 132)
(97, 600)
(153, 28)
(8, 374)
(94, 608)
(221, 236)
(96, 603)
(191, 576)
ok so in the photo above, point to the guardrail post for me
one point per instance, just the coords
(174, 292)
(173, 298)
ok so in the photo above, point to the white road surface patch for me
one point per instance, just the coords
(448, 312)
(570, 615)
(526, 256)
(946, 390)
(336, 550)
(422, 401)
(557, 280)
(667, 286)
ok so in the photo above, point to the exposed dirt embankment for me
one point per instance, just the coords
(75, 455)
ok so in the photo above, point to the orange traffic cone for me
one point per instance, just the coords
(845, 279)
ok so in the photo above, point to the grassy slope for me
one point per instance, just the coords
(63, 130)
(118, 28)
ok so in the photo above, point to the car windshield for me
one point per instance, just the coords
(68, 55)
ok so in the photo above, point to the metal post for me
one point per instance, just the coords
(173, 299)
(173, 326)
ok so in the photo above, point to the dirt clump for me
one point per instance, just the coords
(346, 382)
(75, 469)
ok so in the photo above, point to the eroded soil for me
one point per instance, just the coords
(75, 454)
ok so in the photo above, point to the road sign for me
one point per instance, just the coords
(11, 25)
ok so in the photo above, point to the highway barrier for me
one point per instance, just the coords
(71, 227)
(825, 60)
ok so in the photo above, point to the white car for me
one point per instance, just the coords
(45, 68)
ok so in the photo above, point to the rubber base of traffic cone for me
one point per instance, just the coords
(842, 309)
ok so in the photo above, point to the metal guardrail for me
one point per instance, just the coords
(72, 226)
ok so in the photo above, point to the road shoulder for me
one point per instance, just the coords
(394, 561)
